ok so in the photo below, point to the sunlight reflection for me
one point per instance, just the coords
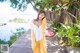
(72, 51)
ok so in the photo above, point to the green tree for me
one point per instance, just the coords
(12, 40)
(3, 42)
(71, 7)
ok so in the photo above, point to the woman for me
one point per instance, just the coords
(37, 33)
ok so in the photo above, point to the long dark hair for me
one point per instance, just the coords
(41, 11)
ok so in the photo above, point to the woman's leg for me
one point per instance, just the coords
(43, 49)
(37, 47)
(40, 48)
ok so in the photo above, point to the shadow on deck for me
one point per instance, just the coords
(23, 45)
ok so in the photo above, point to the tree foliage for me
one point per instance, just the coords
(2, 0)
(41, 4)
(20, 4)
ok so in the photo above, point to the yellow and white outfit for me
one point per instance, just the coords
(38, 38)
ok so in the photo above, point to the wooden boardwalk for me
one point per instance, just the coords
(23, 45)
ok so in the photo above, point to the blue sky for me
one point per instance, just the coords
(7, 12)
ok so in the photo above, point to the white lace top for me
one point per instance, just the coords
(37, 31)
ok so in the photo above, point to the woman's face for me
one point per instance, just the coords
(41, 16)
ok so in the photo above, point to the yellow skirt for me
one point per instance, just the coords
(40, 48)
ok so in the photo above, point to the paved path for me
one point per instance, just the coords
(23, 45)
